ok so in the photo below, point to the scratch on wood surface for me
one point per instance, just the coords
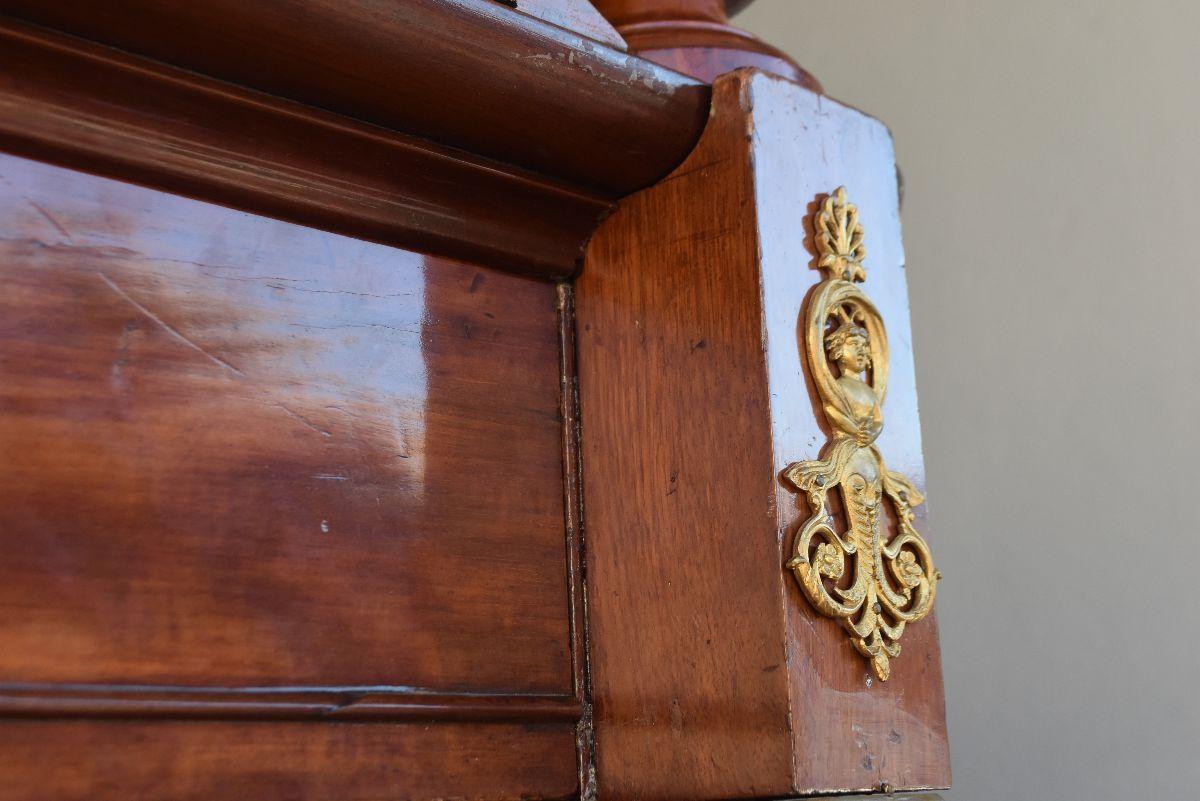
(49, 217)
(402, 329)
(342, 409)
(812, 626)
(305, 421)
(707, 165)
(388, 296)
(166, 327)
(676, 715)
(209, 271)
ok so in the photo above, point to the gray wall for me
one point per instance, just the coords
(1052, 222)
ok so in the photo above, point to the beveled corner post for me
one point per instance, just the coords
(714, 677)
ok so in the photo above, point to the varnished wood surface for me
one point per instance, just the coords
(244, 454)
(61, 760)
(104, 111)
(713, 677)
(684, 580)
(470, 74)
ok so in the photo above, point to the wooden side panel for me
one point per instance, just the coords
(172, 761)
(241, 453)
(683, 574)
(851, 732)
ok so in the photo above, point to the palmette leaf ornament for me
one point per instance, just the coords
(890, 584)
(839, 238)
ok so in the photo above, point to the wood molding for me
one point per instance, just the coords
(576, 562)
(573, 488)
(418, 142)
(103, 111)
(290, 703)
(468, 74)
(163, 760)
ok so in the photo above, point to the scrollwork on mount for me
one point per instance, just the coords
(893, 583)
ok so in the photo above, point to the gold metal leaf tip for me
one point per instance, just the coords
(839, 238)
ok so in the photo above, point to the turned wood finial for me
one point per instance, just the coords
(694, 37)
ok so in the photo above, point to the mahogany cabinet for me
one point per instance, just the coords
(396, 401)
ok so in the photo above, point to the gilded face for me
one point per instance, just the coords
(856, 356)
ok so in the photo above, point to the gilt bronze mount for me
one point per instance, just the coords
(894, 582)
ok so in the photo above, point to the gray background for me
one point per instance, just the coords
(1052, 222)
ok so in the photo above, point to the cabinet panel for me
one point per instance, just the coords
(243, 453)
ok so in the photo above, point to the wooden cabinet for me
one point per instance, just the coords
(393, 404)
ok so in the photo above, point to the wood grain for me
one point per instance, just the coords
(713, 677)
(470, 74)
(174, 761)
(240, 453)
